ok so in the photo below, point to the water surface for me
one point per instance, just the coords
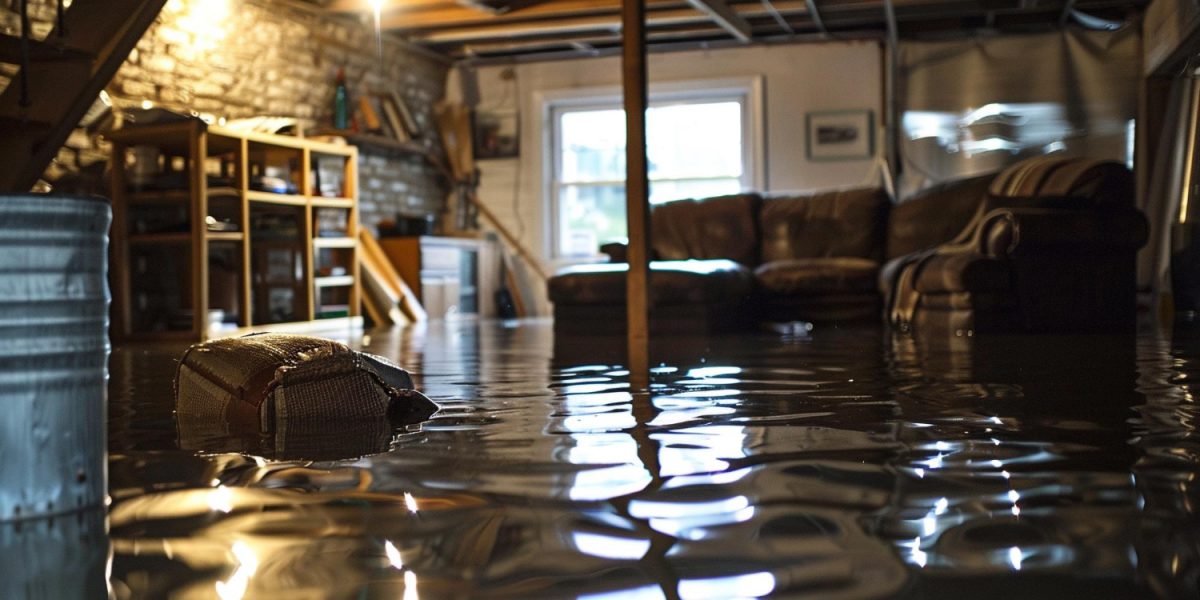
(843, 464)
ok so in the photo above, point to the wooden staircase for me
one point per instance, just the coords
(59, 78)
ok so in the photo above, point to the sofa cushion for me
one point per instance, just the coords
(935, 215)
(818, 275)
(671, 282)
(720, 227)
(848, 223)
(962, 272)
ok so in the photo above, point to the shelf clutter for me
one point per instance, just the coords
(216, 230)
(452, 277)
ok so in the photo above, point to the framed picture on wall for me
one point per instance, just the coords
(840, 135)
(496, 134)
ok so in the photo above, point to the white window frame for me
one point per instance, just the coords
(747, 90)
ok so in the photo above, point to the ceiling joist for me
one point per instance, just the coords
(816, 16)
(458, 17)
(388, 6)
(496, 28)
(577, 25)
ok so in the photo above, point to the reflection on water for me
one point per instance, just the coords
(841, 464)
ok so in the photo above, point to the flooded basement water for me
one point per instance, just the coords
(845, 464)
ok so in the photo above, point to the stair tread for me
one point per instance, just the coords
(61, 88)
(39, 51)
(22, 124)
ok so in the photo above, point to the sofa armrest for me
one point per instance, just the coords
(616, 251)
(1012, 231)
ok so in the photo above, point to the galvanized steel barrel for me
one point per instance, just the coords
(53, 353)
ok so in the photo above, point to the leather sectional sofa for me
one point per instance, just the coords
(1052, 248)
(1047, 245)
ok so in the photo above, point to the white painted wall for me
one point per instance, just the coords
(798, 79)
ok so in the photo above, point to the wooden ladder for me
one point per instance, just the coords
(59, 78)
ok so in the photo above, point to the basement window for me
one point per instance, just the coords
(699, 144)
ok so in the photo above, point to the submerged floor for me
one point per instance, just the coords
(841, 464)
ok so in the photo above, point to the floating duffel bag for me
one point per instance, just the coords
(270, 381)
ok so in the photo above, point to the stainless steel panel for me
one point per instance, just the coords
(973, 106)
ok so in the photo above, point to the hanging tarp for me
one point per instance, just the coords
(968, 107)
(1168, 201)
(1168, 25)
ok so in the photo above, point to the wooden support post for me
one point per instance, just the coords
(198, 152)
(246, 276)
(890, 99)
(637, 187)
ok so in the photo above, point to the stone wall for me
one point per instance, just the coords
(243, 58)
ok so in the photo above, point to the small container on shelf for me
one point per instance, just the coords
(328, 173)
(331, 222)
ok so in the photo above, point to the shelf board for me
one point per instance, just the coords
(226, 236)
(291, 242)
(382, 142)
(336, 328)
(182, 237)
(157, 134)
(181, 195)
(286, 141)
(334, 281)
(333, 242)
(273, 198)
(162, 336)
(223, 192)
(332, 202)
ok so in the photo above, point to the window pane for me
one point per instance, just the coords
(679, 189)
(694, 151)
(593, 146)
(695, 140)
(590, 215)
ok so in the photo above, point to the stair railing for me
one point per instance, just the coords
(24, 102)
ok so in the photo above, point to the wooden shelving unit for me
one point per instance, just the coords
(199, 251)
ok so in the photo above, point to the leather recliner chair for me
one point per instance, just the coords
(1052, 248)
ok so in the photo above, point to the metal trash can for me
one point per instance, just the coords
(53, 353)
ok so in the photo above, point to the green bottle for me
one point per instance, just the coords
(339, 101)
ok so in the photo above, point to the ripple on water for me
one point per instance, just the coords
(841, 464)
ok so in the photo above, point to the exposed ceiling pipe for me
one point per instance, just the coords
(510, 56)
(778, 17)
(1095, 23)
(1068, 6)
(585, 48)
(726, 17)
(815, 14)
